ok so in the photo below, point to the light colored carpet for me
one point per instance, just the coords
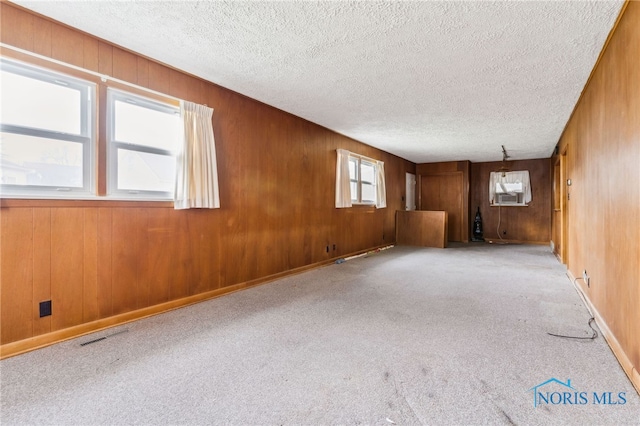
(408, 335)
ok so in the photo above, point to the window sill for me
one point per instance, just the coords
(362, 208)
(23, 202)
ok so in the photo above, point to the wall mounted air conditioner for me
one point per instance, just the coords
(509, 188)
(509, 199)
(509, 194)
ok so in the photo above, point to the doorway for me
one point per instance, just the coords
(410, 191)
(564, 207)
(556, 229)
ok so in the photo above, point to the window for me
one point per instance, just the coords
(509, 188)
(359, 180)
(362, 176)
(54, 144)
(143, 137)
(46, 135)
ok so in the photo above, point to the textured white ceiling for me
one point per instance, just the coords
(427, 81)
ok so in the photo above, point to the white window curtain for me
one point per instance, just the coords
(343, 183)
(381, 190)
(196, 169)
(497, 178)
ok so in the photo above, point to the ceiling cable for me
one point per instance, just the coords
(504, 154)
(504, 168)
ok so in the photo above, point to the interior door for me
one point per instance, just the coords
(410, 191)
(557, 210)
(564, 207)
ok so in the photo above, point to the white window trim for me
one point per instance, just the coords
(113, 191)
(357, 200)
(86, 137)
(13, 54)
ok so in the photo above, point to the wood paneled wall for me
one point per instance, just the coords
(531, 224)
(97, 259)
(445, 186)
(602, 142)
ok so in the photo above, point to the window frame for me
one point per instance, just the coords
(96, 191)
(359, 160)
(112, 96)
(86, 137)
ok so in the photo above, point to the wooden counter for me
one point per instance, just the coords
(421, 228)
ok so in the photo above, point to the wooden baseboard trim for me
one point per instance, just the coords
(609, 337)
(16, 348)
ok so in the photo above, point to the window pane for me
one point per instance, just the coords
(28, 160)
(144, 126)
(367, 171)
(34, 103)
(353, 163)
(354, 191)
(368, 193)
(143, 171)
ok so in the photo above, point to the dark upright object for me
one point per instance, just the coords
(477, 227)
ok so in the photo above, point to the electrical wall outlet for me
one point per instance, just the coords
(585, 277)
(45, 308)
